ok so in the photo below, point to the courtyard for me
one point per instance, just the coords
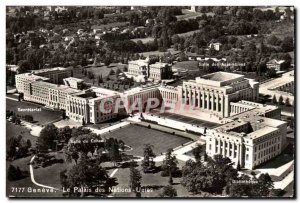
(137, 136)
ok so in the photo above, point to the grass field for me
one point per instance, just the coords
(99, 70)
(110, 25)
(187, 34)
(137, 137)
(187, 14)
(189, 65)
(40, 117)
(144, 40)
(51, 172)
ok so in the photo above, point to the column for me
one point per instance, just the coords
(207, 100)
(222, 106)
(228, 148)
(217, 103)
(199, 98)
(194, 97)
(212, 102)
(223, 151)
(203, 98)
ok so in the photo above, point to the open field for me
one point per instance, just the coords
(187, 14)
(137, 136)
(189, 65)
(187, 34)
(144, 40)
(109, 25)
(159, 53)
(40, 117)
(97, 70)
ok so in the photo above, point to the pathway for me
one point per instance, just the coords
(32, 177)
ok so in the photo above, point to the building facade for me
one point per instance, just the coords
(157, 71)
(214, 92)
(249, 138)
(56, 75)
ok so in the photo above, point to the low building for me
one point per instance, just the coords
(215, 45)
(160, 71)
(157, 71)
(275, 64)
(138, 67)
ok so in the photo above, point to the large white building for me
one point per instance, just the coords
(250, 137)
(213, 93)
(157, 71)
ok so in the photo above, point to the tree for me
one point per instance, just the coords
(47, 138)
(24, 66)
(271, 73)
(28, 143)
(274, 100)
(118, 71)
(111, 72)
(112, 146)
(169, 165)
(14, 173)
(197, 151)
(17, 121)
(64, 134)
(148, 164)
(212, 177)
(168, 191)
(135, 180)
(280, 100)
(28, 118)
(287, 102)
(85, 174)
(100, 79)
(263, 187)
(287, 44)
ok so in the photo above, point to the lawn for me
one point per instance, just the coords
(187, 65)
(13, 130)
(144, 40)
(40, 117)
(159, 53)
(187, 14)
(152, 181)
(110, 25)
(137, 136)
(25, 182)
(49, 176)
(187, 34)
(98, 70)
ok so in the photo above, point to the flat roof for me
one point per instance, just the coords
(261, 132)
(221, 76)
(159, 65)
(32, 77)
(48, 70)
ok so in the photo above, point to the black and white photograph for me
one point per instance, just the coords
(146, 101)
